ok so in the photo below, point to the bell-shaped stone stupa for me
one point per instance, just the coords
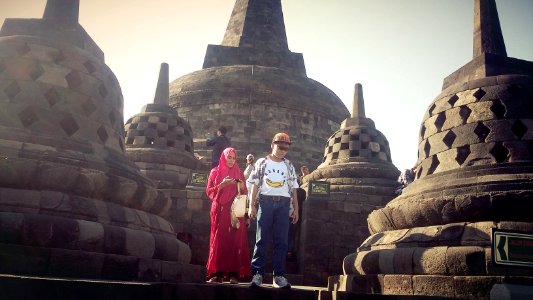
(71, 204)
(357, 164)
(160, 142)
(474, 175)
(255, 86)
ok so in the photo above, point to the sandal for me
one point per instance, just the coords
(215, 279)
(233, 280)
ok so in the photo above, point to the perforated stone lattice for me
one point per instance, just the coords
(484, 125)
(61, 90)
(160, 131)
(357, 143)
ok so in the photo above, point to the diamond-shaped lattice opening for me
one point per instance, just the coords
(498, 109)
(346, 132)
(514, 89)
(335, 155)
(102, 91)
(453, 99)
(52, 97)
(337, 140)
(431, 109)
(143, 119)
(439, 121)
(102, 134)
(449, 138)
(354, 137)
(427, 148)
(112, 117)
(499, 152)
(479, 93)
(419, 172)
(152, 125)
(12, 90)
(345, 146)
(170, 143)
(462, 154)
(354, 153)
(330, 148)
(36, 71)
(464, 112)
(422, 131)
(519, 129)
(149, 141)
(57, 56)
(161, 133)
(28, 116)
(364, 145)
(88, 107)
(481, 131)
(73, 79)
(23, 49)
(434, 164)
(69, 125)
(163, 119)
(134, 125)
(89, 66)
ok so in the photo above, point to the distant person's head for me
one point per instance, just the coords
(222, 130)
(304, 170)
(249, 159)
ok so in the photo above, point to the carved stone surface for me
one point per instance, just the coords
(71, 204)
(256, 87)
(474, 174)
(160, 142)
(357, 164)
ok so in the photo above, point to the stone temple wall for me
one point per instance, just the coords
(254, 103)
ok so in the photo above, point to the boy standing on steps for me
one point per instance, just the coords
(275, 180)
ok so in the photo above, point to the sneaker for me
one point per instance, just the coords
(281, 282)
(257, 281)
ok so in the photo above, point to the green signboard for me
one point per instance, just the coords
(512, 248)
(319, 188)
(198, 179)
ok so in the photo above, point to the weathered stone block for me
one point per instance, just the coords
(466, 261)
(433, 285)
(430, 260)
(398, 285)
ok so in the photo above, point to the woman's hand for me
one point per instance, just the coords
(226, 181)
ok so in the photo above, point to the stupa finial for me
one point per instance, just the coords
(358, 109)
(257, 24)
(161, 92)
(62, 10)
(488, 37)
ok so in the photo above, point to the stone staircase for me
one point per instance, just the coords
(21, 287)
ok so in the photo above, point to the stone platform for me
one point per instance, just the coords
(18, 287)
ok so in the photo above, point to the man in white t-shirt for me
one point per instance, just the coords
(275, 180)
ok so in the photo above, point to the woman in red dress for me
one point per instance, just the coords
(228, 247)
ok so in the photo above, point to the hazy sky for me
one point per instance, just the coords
(399, 50)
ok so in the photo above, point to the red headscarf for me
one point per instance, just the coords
(220, 172)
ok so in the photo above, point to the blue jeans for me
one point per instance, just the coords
(272, 221)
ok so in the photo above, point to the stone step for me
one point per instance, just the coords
(25, 287)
